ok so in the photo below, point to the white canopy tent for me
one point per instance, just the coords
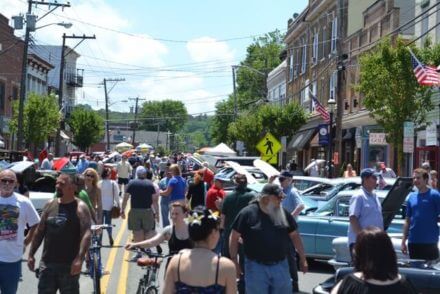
(221, 150)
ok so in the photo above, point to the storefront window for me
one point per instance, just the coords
(375, 154)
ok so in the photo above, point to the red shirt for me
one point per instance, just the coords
(208, 176)
(213, 194)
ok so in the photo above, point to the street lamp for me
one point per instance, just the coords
(66, 25)
(331, 104)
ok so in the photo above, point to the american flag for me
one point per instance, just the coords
(320, 109)
(425, 75)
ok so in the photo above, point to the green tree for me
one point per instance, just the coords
(391, 91)
(170, 114)
(40, 119)
(279, 121)
(87, 127)
(263, 55)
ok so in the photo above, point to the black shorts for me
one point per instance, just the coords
(122, 181)
(423, 251)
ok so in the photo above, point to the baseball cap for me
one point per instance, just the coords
(368, 172)
(141, 171)
(286, 174)
(271, 189)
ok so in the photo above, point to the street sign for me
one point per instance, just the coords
(269, 145)
(272, 159)
(408, 144)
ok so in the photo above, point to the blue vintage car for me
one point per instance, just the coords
(424, 276)
(319, 228)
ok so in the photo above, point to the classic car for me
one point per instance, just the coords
(342, 256)
(41, 184)
(425, 277)
(310, 205)
(319, 228)
(328, 188)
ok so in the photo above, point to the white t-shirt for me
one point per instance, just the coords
(109, 192)
(15, 211)
(123, 169)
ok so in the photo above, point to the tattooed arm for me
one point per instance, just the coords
(38, 235)
(85, 235)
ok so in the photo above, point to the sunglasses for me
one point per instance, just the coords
(7, 181)
(90, 176)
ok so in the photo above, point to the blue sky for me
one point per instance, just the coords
(179, 50)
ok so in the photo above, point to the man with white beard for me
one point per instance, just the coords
(266, 230)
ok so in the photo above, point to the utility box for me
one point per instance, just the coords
(18, 22)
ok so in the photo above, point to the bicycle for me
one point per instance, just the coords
(149, 283)
(94, 256)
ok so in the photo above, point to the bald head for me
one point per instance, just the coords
(8, 179)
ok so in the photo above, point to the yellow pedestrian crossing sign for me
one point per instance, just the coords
(272, 159)
(269, 147)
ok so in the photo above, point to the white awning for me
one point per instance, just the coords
(64, 136)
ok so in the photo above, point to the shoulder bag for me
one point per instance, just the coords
(116, 211)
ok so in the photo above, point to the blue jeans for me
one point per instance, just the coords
(9, 276)
(107, 220)
(165, 212)
(271, 279)
(55, 277)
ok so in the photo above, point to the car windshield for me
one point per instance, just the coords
(327, 209)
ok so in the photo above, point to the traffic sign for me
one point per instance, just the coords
(272, 159)
(268, 146)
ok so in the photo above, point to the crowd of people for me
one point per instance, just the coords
(222, 243)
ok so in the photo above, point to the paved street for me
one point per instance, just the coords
(124, 276)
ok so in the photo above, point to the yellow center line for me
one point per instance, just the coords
(112, 256)
(122, 284)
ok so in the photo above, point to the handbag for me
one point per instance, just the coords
(116, 211)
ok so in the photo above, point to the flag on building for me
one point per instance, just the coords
(426, 75)
(319, 108)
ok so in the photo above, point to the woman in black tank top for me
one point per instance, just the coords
(177, 234)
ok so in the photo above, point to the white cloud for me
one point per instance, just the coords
(208, 49)
(114, 54)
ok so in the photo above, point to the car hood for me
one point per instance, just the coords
(395, 198)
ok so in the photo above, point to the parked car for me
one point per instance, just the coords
(319, 228)
(328, 188)
(425, 277)
(41, 184)
(310, 205)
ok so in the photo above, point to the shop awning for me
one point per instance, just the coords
(300, 139)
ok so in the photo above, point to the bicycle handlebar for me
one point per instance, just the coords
(103, 226)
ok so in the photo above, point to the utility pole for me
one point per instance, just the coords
(61, 83)
(340, 90)
(135, 118)
(107, 130)
(235, 92)
(24, 65)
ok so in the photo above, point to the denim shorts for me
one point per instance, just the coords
(55, 277)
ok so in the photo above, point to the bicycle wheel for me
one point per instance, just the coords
(152, 290)
(96, 273)
(142, 286)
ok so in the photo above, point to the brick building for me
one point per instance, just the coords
(11, 56)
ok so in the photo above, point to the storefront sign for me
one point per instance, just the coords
(358, 137)
(431, 135)
(377, 139)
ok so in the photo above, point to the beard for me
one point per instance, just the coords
(277, 215)
(59, 193)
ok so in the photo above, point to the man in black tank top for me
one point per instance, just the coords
(65, 229)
